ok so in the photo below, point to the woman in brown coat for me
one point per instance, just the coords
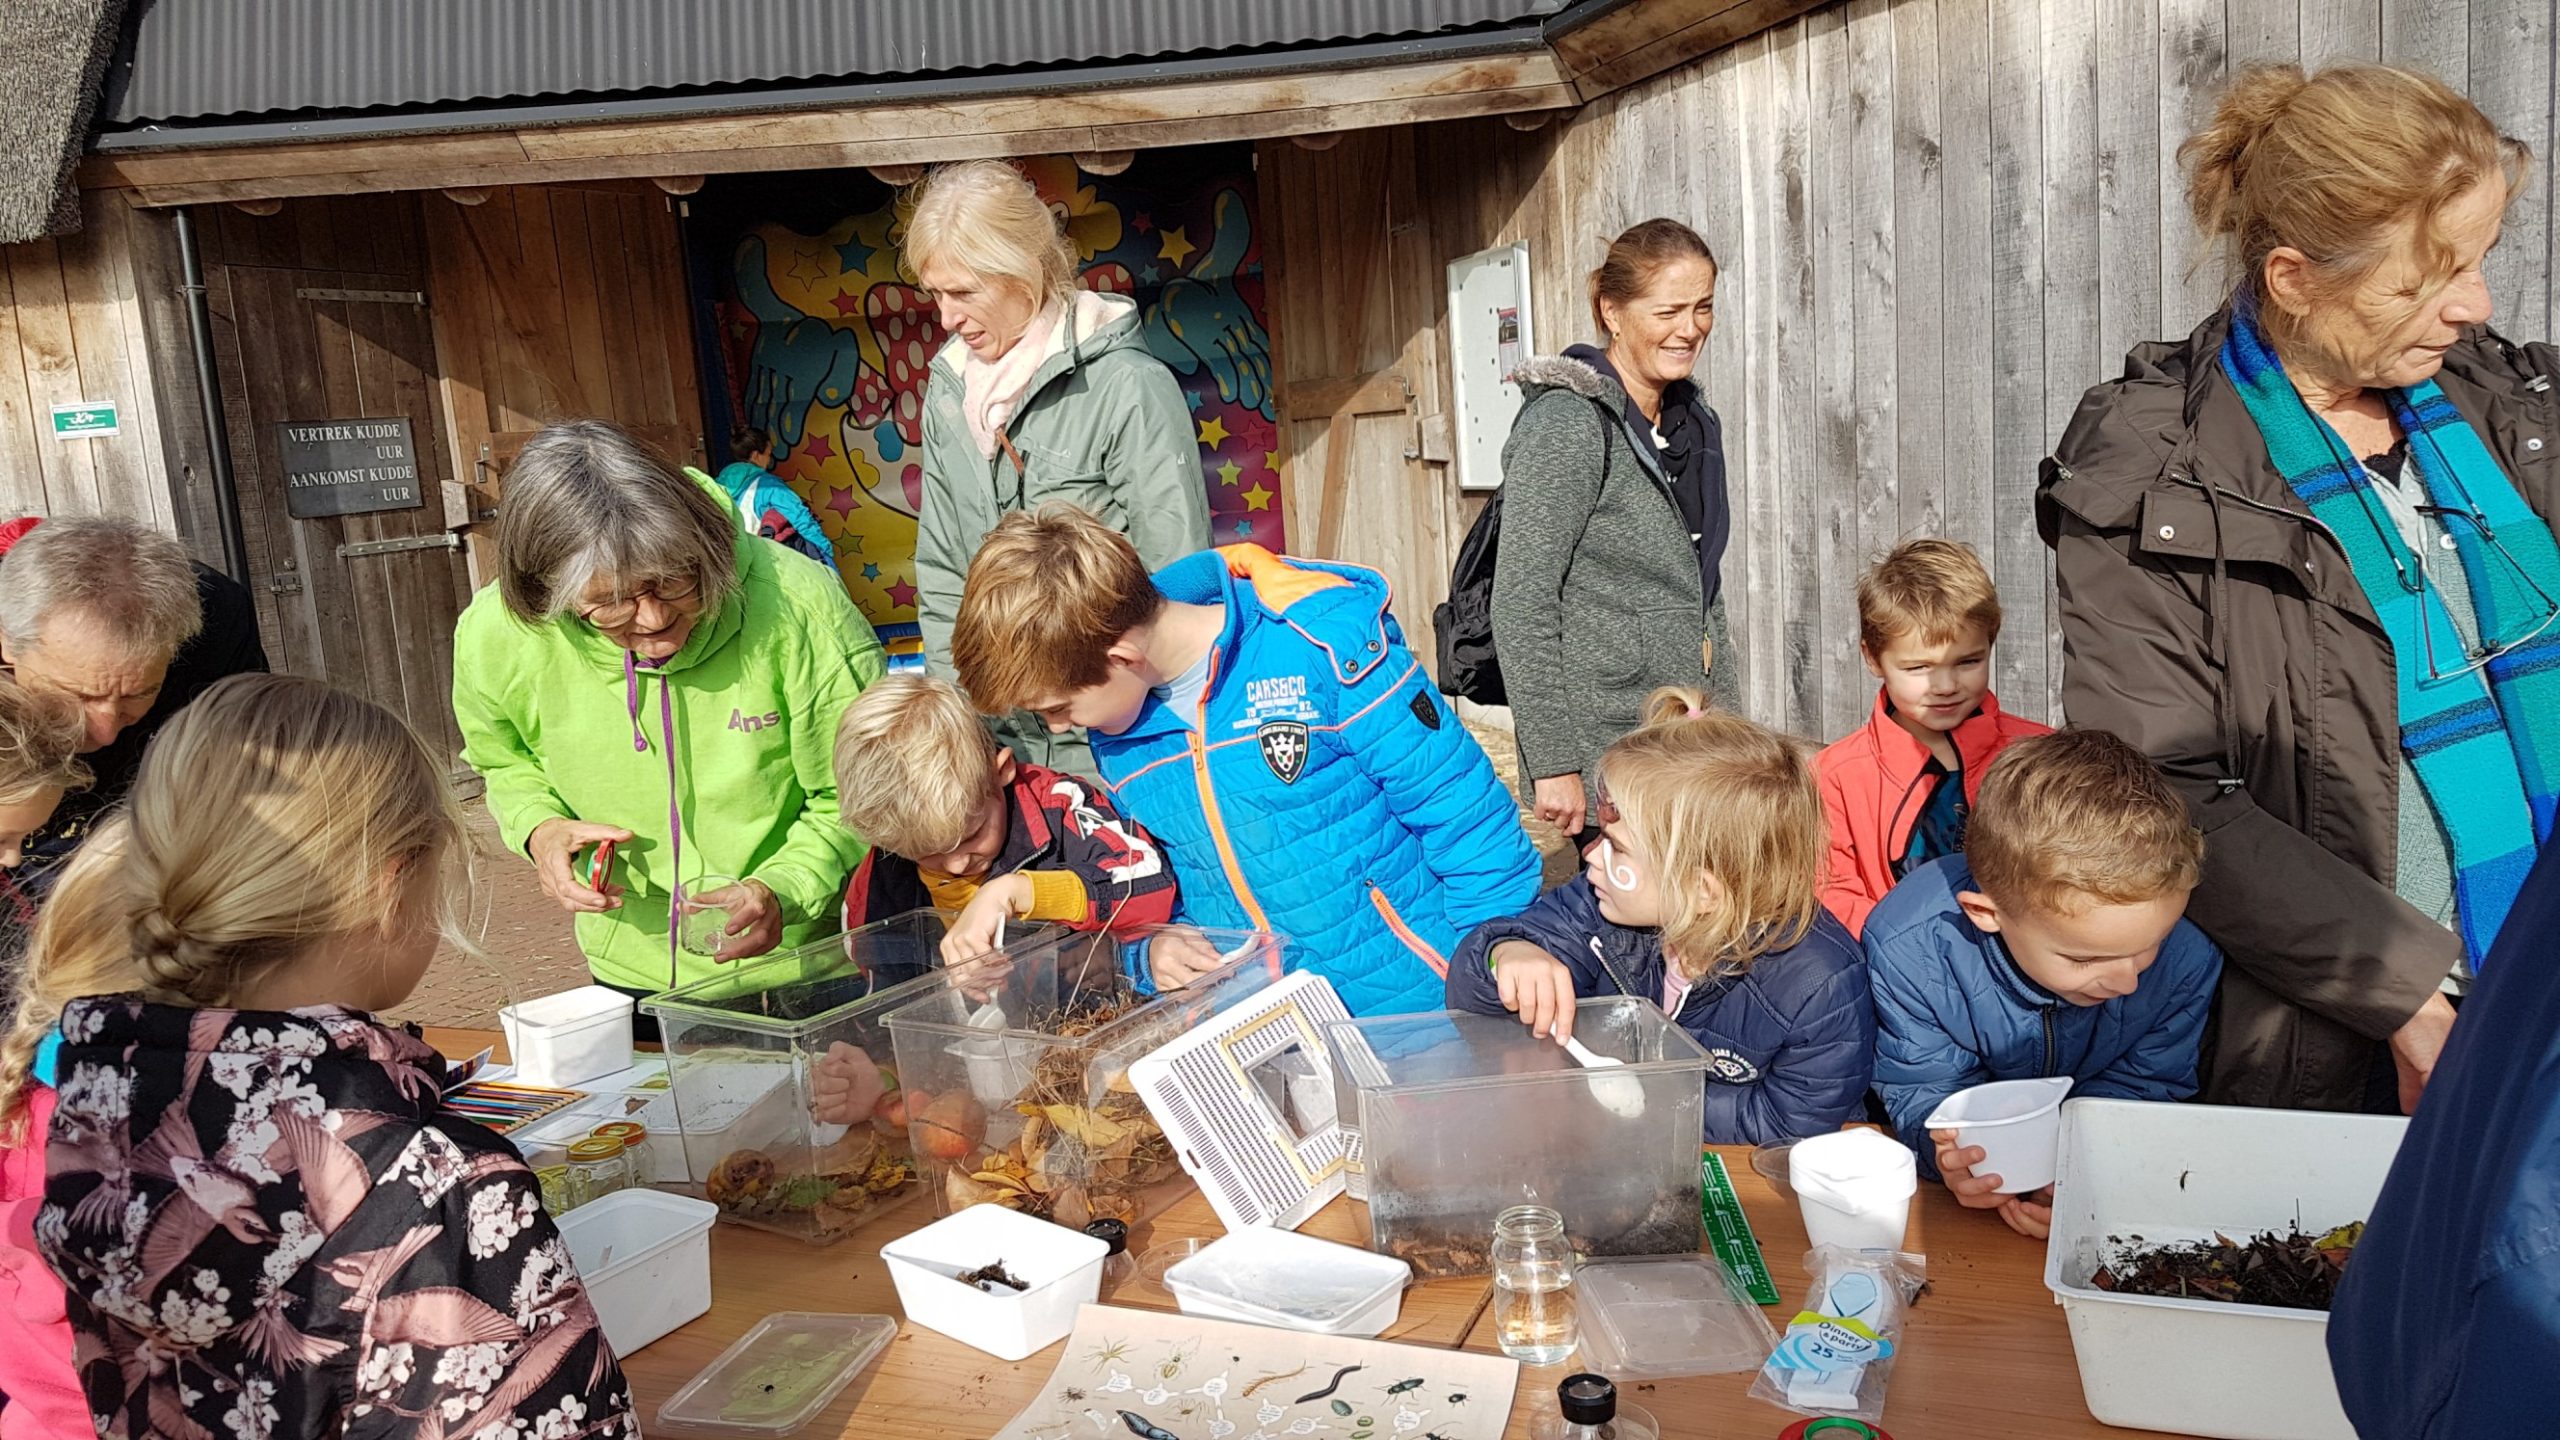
(2241, 607)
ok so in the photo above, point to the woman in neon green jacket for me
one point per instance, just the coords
(645, 672)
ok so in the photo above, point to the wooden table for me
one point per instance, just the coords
(1985, 1353)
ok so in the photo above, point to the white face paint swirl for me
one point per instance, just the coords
(1619, 873)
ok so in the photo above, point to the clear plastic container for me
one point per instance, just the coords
(1026, 1070)
(1464, 1116)
(1294, 1281)
(779, 1375)
(786, 1099)
(1668, 1316)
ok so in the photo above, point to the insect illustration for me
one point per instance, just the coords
(1458, 1399)
(1145, 1429)
(1402, 1386)
(1109, 1352)
(1071, 1394)
(1248, 1390)
(1338, 1376)
(1175, 1359)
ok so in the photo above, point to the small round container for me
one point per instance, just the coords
(597, 1168)
(554, 1180)
(1163, 1257)
(700, 928)
(635, 1148)
(2018, 1124)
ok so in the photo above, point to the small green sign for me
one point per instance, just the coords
(88, 420)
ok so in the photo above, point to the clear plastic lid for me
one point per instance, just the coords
(1297, 1280)
(1663, 1317)
(779, 1375)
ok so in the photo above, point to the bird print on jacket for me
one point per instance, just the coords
(267, 1229)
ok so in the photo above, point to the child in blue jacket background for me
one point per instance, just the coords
(1703, 895)
(1264, 720)
(2055, 945)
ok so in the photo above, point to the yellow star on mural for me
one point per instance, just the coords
(1271, 461)
(1229, 473)
(1213, 432)
(1177, 246)
(1257, 498)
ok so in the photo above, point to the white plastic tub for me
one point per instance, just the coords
(1062, 1267)
(567, 1039)
(2018, 1124)
(646, 1258)
(1266, 1276)
(2184, 1172)
(1854, 1187)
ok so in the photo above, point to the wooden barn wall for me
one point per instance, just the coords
(76, 318)
(559, 303)
(1940, 221)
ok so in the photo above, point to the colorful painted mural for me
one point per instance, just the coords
(826, 346)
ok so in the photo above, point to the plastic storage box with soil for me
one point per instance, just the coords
(785, 1088)
(1018, 1074)
(1462, 1116)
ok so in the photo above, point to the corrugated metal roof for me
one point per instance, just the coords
(196, 60)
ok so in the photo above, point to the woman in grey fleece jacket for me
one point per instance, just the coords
(1613, 522)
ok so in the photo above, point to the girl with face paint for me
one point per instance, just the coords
(1701, 893)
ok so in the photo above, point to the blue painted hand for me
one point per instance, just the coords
(1202, 319)
(799, 360)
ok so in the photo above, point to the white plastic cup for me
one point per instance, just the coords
(1855, 1188)
(2018, 1124)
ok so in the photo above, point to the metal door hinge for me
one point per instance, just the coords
(285, 582)
(405, 542)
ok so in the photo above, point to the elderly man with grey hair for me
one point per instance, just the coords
(113, 616)
(647, 675)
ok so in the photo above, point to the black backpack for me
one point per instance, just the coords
(1462, 625)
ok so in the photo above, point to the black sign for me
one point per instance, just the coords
(348, 467)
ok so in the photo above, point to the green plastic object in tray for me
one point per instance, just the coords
(779, 1375)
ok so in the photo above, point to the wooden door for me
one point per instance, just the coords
(366, 602)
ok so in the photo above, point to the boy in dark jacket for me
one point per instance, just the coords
(2055, 945)
(968, 828)
(1703, 896)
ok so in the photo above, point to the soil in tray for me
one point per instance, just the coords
(848, 1183)
(1456, 1242)
(2292, 1271)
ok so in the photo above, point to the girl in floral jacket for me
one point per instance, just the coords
(265, 1226)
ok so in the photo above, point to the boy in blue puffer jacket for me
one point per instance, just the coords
(1703, 895)
(1264, 720)
(2056, 944)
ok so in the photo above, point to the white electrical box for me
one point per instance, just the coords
(1489, 337)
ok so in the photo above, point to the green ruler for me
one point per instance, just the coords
(1729, 1231)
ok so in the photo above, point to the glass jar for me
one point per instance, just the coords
(596, 1169)
(1533, 1286)
(554, 1180)
(636, 1151)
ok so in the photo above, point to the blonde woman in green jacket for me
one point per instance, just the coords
(1043, 392)
(647, 673)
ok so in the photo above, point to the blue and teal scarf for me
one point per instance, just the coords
(2486, 743)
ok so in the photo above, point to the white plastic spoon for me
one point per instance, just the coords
(1621, 1095)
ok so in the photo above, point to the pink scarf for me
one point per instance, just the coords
(991, 390)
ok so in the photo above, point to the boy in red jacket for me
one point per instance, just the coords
(989, 837)
(1927, 618)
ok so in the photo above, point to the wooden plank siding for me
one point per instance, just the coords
(1940, 222)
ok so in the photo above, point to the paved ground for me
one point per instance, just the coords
(529, 950)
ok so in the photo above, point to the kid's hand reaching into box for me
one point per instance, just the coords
(1536, 986)
(980, 926)
(2030, 1215)
(1177, 957)
(845, 1085)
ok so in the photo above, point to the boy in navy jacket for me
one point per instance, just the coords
(1702, 895)
(2055, 945)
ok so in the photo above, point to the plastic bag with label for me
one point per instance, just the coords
(1837, 1354)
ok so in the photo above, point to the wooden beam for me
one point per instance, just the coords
(909, 133)
(1643, 38)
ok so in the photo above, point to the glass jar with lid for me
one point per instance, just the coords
(554, 1180)
(597, 1168)
(636, 1150)
(1533, 1264)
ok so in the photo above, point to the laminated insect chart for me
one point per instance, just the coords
(1142, 1375)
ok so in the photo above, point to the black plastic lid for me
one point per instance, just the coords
(1114, 1233)
(1587, 1400)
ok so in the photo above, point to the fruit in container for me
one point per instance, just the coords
(897, 1109)
(951, 1126)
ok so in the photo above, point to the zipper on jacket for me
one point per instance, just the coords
(1404, 932)
(1209, 809)
(2051, 1048)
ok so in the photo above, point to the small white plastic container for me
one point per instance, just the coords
(1062, 1267)
(1855, 1188)
(646, 1258)
(1265, 1276)
(567, 1039)
(2017, 1123)
(2171, 1173)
